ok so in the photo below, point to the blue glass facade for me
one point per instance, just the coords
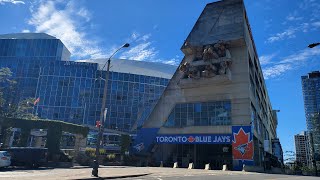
(45, 48)
(66, 91)
(71, 91)
(311, 97)
(129, 96)
(25, 56)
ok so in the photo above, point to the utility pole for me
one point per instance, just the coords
(103, 112)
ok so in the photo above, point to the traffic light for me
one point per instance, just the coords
(98, 124)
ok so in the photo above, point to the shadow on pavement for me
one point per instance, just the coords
(115, 177)
(100, 167)
(19, 168)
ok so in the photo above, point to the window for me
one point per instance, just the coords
(200, 114)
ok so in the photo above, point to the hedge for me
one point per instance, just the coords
(54, 128)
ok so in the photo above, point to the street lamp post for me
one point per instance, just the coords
(313, 45)
(103, 112)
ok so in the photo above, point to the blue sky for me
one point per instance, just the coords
(156, 30)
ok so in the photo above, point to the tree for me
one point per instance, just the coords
(7, 84)
(8, 108)
(125, 143)
(25, 109)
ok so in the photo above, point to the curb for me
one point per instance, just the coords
(115, 177)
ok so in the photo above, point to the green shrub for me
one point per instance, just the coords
(102, 151)
(111, 157)
(91, 152)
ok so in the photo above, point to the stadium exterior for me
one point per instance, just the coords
(215, 108)
(72, 91)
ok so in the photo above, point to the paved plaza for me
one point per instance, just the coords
(152, 173)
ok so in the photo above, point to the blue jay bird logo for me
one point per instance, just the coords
(242, 148)
(139, 147)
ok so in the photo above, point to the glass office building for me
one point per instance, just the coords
(24, 54)
(311, 97)
(72, 90)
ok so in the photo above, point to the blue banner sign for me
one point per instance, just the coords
(193, 139)
(242, 146)
(144, 140)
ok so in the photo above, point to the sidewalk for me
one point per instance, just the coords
(115, 172)
(76, 173)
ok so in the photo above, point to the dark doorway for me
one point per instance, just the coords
(201, 154)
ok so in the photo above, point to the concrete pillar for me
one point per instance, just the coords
(175, 165)
(190, 166)
(224, 167)
(243, 168)
(207, 167)
(80, 142)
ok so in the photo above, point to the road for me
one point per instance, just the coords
(138, 173)
(227, 177)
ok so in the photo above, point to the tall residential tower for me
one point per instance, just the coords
(302, 143)
(311, 98)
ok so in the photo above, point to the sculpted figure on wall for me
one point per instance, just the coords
(209, 53)
(184, 67)
(216, 51)
(210, 60)
(194, 72)
(209, 71)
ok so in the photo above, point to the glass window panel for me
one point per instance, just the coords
(200, 114)
(197, 107)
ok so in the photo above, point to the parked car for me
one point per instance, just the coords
(28, 156)
(5, 159)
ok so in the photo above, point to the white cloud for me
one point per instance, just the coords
(64, 23)
(276, 70)
(67, 22)
(172, 61)
(293, 18)
(142, 49)
(288, 33)
(155, 27)
(301, 56)
(291, 32)
(312, 7)
(316, 24)
(2, 2)
(290, 62)
(267, 24)
(84, 13)
(26, 31)
(266, 59)
(134, 35)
